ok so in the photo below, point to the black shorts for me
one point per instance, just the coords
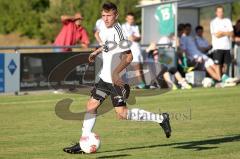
(118, 94)
(221, 57)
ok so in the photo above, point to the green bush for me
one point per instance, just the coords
(41, 18)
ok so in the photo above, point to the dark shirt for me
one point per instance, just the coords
(236, 32)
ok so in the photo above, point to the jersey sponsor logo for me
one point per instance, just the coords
(111, 45)
(105, 47)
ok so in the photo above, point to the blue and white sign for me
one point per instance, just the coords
(9, 72)
(2, 86)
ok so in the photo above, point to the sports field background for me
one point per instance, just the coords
(205, 122)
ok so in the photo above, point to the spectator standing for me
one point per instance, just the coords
(71, 33)
(221, 31)
(236, 37)
(132, 32)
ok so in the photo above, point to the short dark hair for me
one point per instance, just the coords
(199, 27)
(130, 14)
(109, 6)
(180, 27)
(188, 25)
(219, 6)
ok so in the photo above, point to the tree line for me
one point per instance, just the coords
(40, 19)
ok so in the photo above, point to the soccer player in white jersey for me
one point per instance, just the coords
(115, 60)
(221, 30)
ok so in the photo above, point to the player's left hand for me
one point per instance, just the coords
(117, 80)
(92, 57)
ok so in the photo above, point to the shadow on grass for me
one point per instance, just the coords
(194, 145)
(114, 156)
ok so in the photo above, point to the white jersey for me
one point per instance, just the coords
(112, 38)
(132, 30)
(224, 25)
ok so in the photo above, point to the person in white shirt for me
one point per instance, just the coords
(221, 30)
(201, 42)
(115, 60)
(188, 46)
(132, 32)
(99, 26)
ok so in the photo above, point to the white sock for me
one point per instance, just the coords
(88, 123)
(142, 115)
(183, 82)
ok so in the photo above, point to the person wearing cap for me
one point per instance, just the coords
(72, 32)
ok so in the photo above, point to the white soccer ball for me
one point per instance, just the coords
(207, 82)
(90, 143)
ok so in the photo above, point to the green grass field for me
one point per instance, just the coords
(205, 123)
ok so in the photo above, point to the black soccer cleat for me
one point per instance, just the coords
(166, 124)
(75, 149)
